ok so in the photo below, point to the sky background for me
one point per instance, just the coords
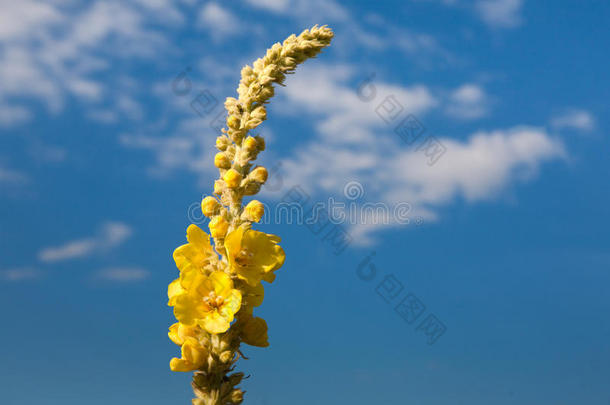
(106, 142)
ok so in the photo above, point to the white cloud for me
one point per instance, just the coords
(468, 102)
(54, 50)
(20, 275)
(278, 6)
(218, 20)
(354, 144)
(500, 13)
(13, 115)
(312, 11)
(581, 120)
(122, 274)
(110, 235)
(17, 21)
(322, 90)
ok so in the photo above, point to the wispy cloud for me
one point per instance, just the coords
(122, 274)
(12, 177)
(577, 119)
(354, 143)
(500, 13)
(20, 274)
(219, 21)
(320, 10)
(468, 102)
(110, 235)
(55, 50)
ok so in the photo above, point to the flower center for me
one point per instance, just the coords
(214, 301)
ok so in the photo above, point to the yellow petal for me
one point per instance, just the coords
(254, 332)
(173, 334)
(193, 352)
(231, 305)
(233, 242)
(251, 276)
(214, 323)
(182, 254)
(268, 255)
(173, 290)
(182, 365)
(191, 278)
(198, 238)
(222, 283)
(269, 277)
(187, 309)
(254, 295)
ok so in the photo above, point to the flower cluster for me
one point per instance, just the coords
(220, 281)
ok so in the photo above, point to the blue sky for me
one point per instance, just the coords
(106, 147)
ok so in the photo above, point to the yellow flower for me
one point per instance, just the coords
(193, 356)
(232, 178)
(218, 227)
(253, 255)
(210, 302)
(197, 253)
(254, 332)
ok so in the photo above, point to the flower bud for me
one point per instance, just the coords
(250, 144)
(259, 174)
(222, 142)
(252, 188)
(221, 161)
(255, 210)
(237, 396)
(209, 205)
(233, 122)
(236, 378)
(218, 227)
(226, 356)
(259, 113)
(232, 178)
(261, 142)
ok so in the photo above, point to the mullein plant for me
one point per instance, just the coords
(220, 279)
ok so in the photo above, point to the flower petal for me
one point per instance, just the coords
(222, 283)
(214, 323)
(173, 334)
(231, 305)
(254, 332)
(198, 238)
(182, 365)
(174, 289)
(187, 309)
